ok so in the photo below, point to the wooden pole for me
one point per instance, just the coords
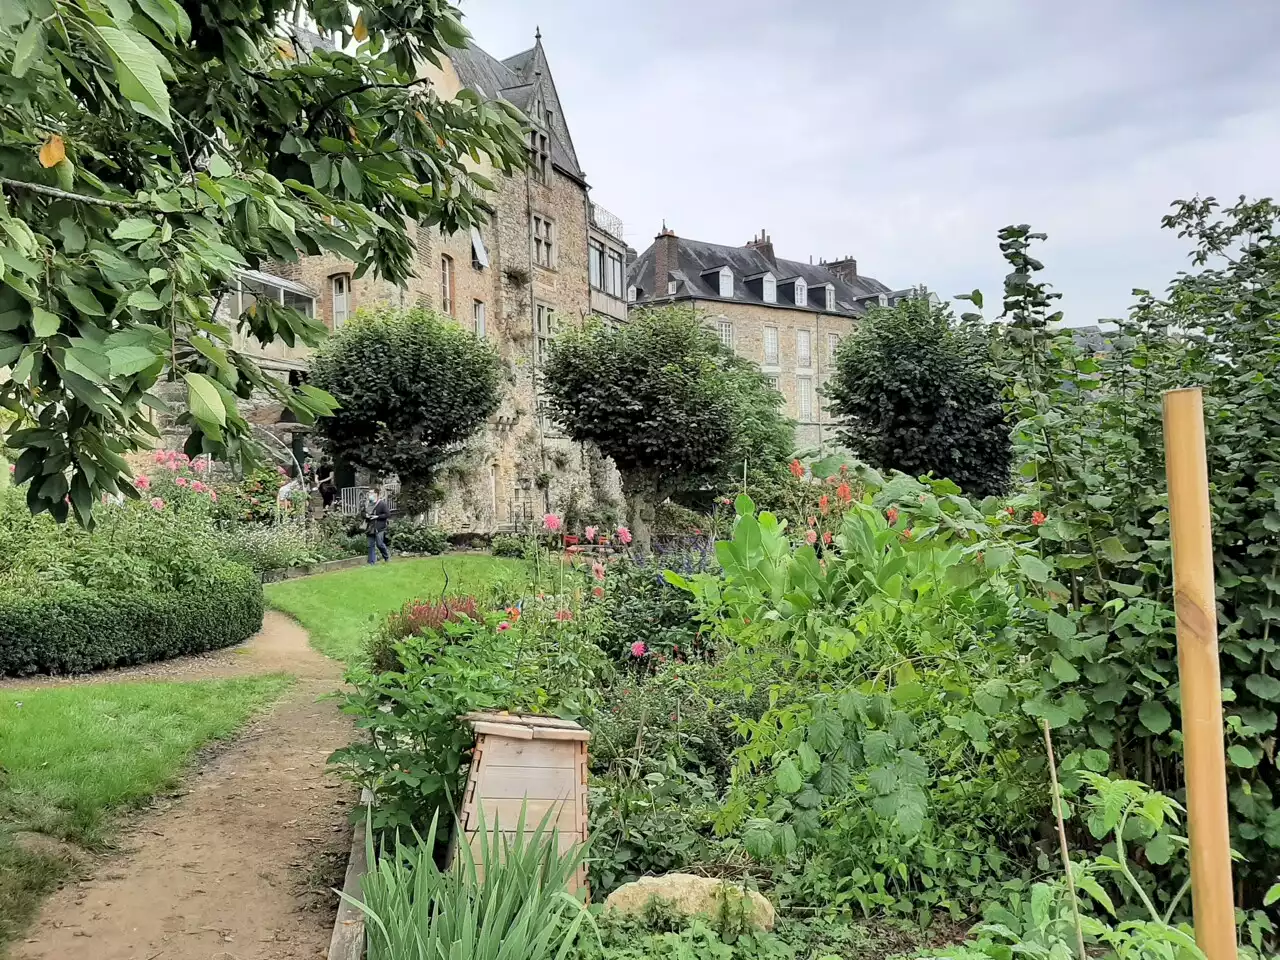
(1193, 593)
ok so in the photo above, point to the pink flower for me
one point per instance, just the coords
(797, 469)
(811, 536)
(282, 471)
(198, 487)
(200, 466)
(843, 493)
(564, 616)
(503, 627)
(891, 515)
(181, 481)
(591, 533)
(638, 649)
(697, 531)
(142, 483)
(824, 504)
(213, 495)
(157, 503)
(813, 521)
(597, 592)
(552, 523)
(826, 537)
(597, 570)
(13, 468)
(624, 536)
(1010, 511)
(1038, 518)
(161, 456)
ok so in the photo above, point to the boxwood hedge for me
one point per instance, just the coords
(71, 629)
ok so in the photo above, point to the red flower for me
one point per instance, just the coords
(843, 493)
(1038, 518)
(826, 538)
(697, 531)
(907, 533)
(598, 592)
(797, 469)
(824, 504)
(891, 515)
(813, 521)
(564, 616)
(844, 469)
(1010, 511)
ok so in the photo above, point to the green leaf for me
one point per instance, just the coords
(29, 47)
(1160, 849)
(1272, 895)
(878, 747)
(205, 401)
(787, 777)
(73, 237)
(82, 299)
(826, 731)
(997, 557)
(135, 228)
(1089, 884)
(218, 166)
(1154, 716)
(351, 177)
(1033, 568)
(44, 323)
(810, 762)
(1242, 756)
(1061, 668)
(1096, 760)
(1061, 627)
(1113, 549)
(128, 360)
(144, 299)
(1263, 686)
(137, 73)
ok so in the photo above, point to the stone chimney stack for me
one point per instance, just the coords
(763, 243)
(666, 258)
(846, 269)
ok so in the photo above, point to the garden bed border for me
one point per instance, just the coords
(347, 940)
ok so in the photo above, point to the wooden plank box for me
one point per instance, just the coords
(536, 762)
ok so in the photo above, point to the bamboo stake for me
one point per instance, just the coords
(1062, 839)
(1193, 588)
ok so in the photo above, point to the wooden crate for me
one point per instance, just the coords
(537, 762)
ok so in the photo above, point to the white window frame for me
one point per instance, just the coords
(545, 326)
(802, 294)
(264, 288)
(724, 330)
(831, 297)
(726, 283)
(479, 318)
(771, 358)
(446, 284)
(595, 264)
(341, 301)
(771, 380)
(479, 255)
(883, 299)
(613, 272)
(672, 287)
(804, 349)
(769, 288)
(804, 398)
(833, 344)
(631, 293)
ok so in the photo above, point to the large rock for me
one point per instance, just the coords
(692, 895)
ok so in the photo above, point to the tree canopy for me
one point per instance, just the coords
(660, 395)
(146, 157)
(915, 392)
(411, 387)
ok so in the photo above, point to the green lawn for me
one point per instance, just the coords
(71, 757)
(338, 609)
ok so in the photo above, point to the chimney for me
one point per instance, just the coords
(666, 258)
(846, 269)
(764, 244)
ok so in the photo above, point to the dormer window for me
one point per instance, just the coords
(726, 282)
(631, 294)
(831, 296)
(802, 294)
(770, 288)
(883, 299)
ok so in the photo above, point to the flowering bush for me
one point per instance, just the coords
(413, 618)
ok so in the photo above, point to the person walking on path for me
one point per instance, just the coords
(376, 515)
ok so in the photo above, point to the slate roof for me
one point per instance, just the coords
(695, 258)
(516, 80)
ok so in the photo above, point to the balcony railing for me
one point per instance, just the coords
(610, 223)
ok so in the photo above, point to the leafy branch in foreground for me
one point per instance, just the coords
(145, 160)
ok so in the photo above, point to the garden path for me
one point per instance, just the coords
(239, 862)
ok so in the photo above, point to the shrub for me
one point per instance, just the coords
(68, 628)
(505, 545)
(418, 538)
(410, 620)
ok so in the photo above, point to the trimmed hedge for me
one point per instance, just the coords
(71, 629)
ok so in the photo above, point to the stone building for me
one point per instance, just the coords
(546, 256)
(786, 315)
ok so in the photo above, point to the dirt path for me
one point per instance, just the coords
(238, 864)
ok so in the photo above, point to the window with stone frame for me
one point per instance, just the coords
(539, 154)
(771, 346)
(340, 289)
(724, 329)
(544, 241)
(804, 397)
(478, 318)
(833, 344)
(804, 349)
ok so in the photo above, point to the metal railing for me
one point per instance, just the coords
(610, 223)
(351, 499)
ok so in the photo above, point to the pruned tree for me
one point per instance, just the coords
(412, 387)
(661, 396)
(145, 158)
(915, 391)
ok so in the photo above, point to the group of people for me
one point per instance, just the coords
(377, 511)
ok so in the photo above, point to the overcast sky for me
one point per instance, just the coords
(907, 134)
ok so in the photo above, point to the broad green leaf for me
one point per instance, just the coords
(1241, 756)
(878, 747)
(135, 228)
(82, 299)
(1263, 686)
(1061, 627)
(44, 323)
(1033, 568)
(1154, 716)
(1113, 549)
(997, 557)
(810, 762)
(1272, 895)
(137, 73)
(1160, 849)
(788, 777)
(1096, 760)
(218, 166)
(128, 360)
(144, 299)
(1061, 668)
(29, 48)
(73, 237)
(205, 401)
(826, 731)
(351, 178)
